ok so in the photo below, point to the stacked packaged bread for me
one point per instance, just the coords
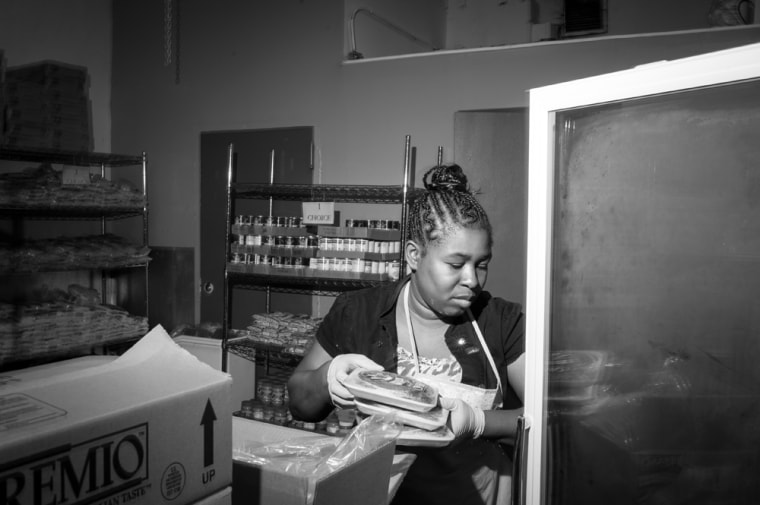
(292, 333)
(65, 323)
(43, 188)
(69, 253)
(413, 403)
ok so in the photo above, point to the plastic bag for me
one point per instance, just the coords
(318, 456)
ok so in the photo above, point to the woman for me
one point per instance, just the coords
(436, 322)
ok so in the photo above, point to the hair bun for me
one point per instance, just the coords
(446, 178)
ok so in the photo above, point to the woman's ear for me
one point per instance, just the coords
(413, 253)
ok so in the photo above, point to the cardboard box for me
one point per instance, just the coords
(34, 373)
(365, 482)
(242, 370)
(223, 497)
(150, 427)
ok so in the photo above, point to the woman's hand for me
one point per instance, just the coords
(464, 419)
(339, 368)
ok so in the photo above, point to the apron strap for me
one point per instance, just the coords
(485, 348)
(474, 325)
(409, 328)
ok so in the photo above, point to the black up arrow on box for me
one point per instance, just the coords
(207, 421)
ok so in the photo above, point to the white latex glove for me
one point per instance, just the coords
(338, 370)
(464, 419)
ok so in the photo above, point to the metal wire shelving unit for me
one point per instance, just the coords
(317, 283)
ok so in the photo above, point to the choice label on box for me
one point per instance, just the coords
(318, 212)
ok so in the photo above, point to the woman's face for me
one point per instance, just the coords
(452, 271)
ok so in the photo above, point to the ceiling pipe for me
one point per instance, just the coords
(356, 55)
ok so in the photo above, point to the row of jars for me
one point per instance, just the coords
(357, 265)
(376, 224)
(359, 245)
(281, 221)
(288, 241)
(323, 243)
(297, 222)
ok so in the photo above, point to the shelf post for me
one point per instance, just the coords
(227, 231)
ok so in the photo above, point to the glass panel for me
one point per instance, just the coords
(654, 388)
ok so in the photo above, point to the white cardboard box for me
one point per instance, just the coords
(150, 427)
(365, 482)
(223, 497)
(243, 371)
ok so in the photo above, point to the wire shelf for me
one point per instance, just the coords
(74, 158)
(298, 285)
(67, 211)
(321, 192)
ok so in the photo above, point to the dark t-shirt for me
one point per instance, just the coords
(364, 322)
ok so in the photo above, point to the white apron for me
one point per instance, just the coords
(495, 487)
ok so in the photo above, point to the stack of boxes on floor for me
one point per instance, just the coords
(47, 105)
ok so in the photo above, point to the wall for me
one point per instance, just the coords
(248, 65)
(77, 32)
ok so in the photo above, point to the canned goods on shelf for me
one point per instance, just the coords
(300, 262)
(258, 412)
(246, 408)
(394, 269)
(268, 413)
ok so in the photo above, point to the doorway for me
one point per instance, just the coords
(292, 147)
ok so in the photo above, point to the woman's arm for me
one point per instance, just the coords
(307, 387)
(503, 423)
(317, 383)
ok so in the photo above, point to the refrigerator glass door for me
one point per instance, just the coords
(643, 302)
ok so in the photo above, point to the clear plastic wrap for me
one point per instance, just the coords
(317, 456)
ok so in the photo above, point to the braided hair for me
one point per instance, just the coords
(446, 203)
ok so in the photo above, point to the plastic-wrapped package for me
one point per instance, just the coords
(318, 456)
